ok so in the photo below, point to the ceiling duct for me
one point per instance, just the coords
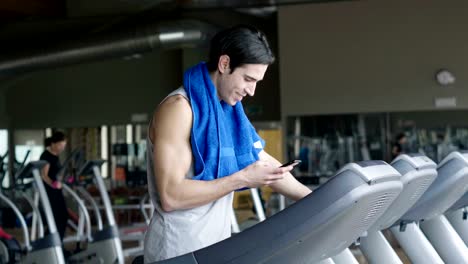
(175, 34)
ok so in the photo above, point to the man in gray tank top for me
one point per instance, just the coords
(201, 150)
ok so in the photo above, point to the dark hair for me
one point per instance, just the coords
(243, 44)
(57, 136)
(47, 142)
(400, 136)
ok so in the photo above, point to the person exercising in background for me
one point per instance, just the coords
(202, 148)
(54, 146)
(397, 148)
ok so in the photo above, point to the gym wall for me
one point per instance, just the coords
(93, 94)
(109, 92)
(3, 115)
(366, 56)
(435, 120)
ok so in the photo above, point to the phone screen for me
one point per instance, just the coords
(295, 162)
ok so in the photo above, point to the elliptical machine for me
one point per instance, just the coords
(45, 249)
(10, 248)
(104, 244)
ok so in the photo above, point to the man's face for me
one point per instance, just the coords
(233, 87)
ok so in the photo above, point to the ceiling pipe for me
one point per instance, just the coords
(168, 35)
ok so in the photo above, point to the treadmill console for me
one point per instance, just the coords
(460, 155)
(373, 171)
(417, 161)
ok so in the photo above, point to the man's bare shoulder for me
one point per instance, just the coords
(175, 103)
(174, 115)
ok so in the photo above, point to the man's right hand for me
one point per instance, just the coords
(262, 173)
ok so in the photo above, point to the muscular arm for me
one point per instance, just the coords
(172, 156)
(288, 186)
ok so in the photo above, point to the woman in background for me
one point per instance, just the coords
(54, 146)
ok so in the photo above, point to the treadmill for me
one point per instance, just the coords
(417, 174)
(314, 229)
(435, 240)
(458, 217)
(458, 214)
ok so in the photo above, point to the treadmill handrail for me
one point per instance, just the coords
(87, 168)
(36, 212)
(83, 209)
(2, 175)
(143, 210)
(44, 198)
(2, 158)
(257, 204)
(25, 158)
(104, 195)
(71, 157)
(94, 205)
(26, 171)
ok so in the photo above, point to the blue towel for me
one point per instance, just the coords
(223, 139)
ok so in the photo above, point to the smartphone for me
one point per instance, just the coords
(295, 162)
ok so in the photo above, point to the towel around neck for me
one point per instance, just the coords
(222, 137)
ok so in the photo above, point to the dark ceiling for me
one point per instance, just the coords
(28, 19)
(39, 27)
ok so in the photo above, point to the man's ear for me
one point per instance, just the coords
(223, 63)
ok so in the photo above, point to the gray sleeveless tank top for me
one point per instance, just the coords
(175, 233)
